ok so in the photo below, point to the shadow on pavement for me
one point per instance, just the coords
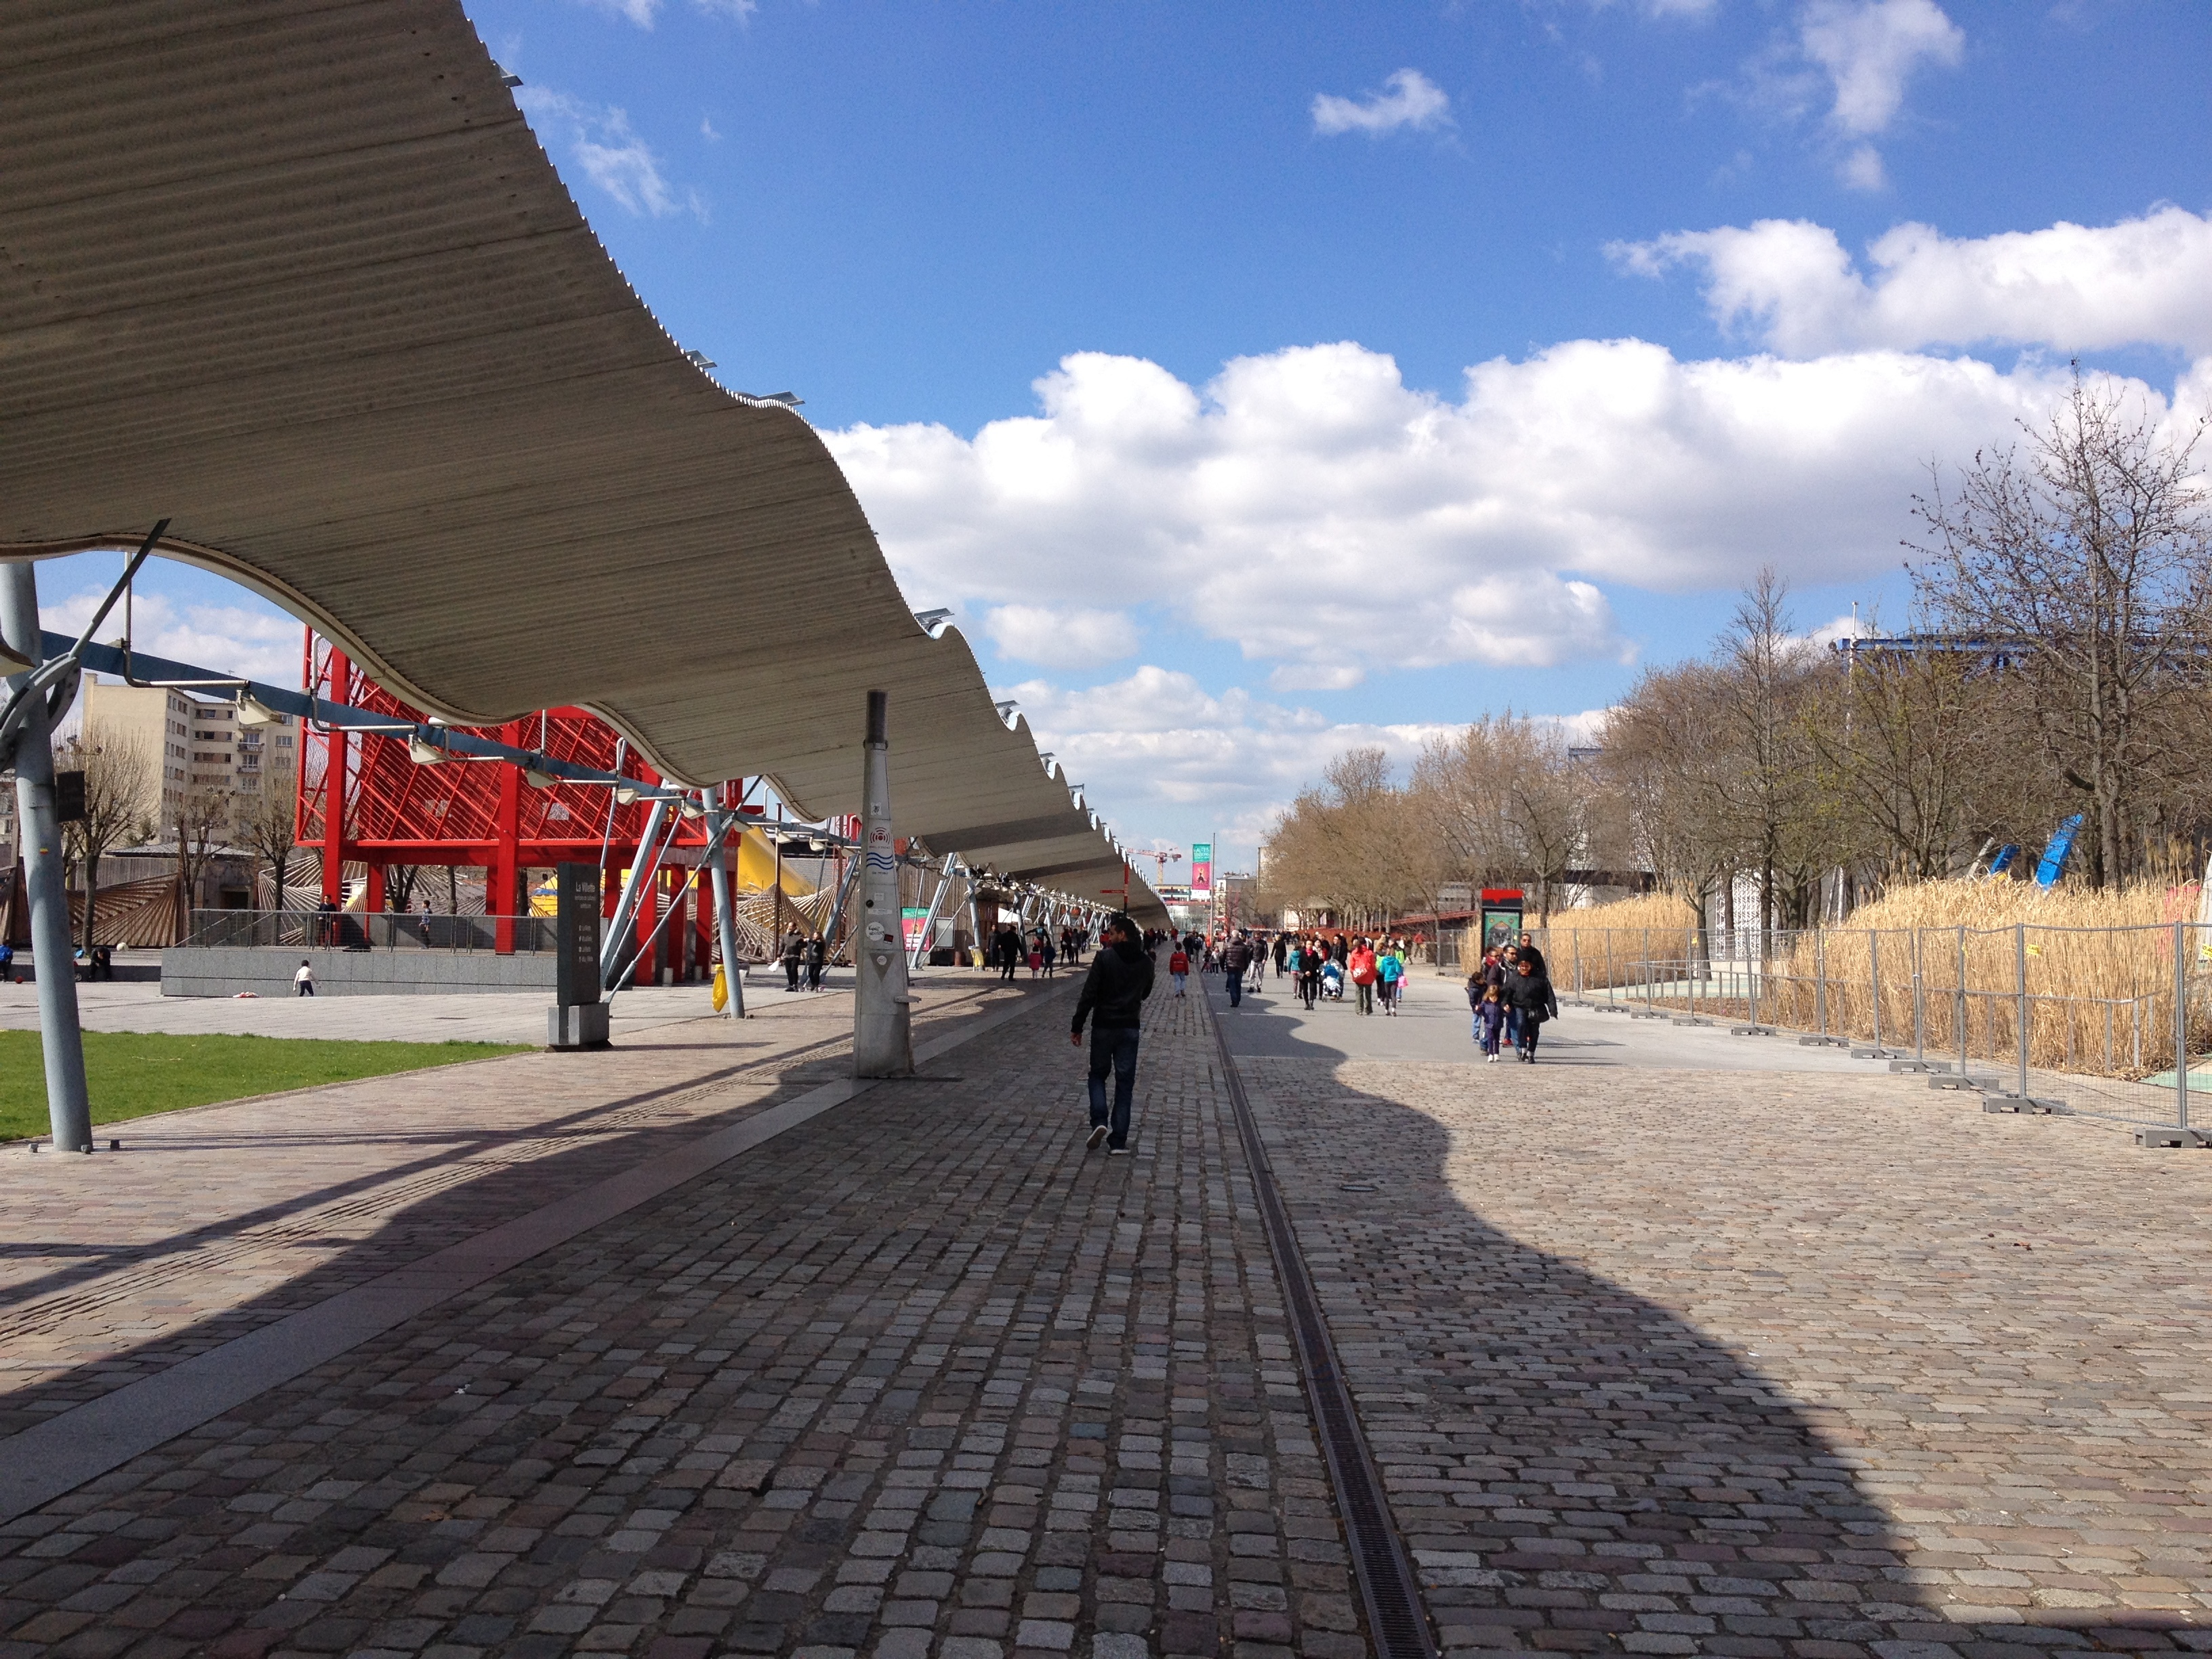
(1572, 1466)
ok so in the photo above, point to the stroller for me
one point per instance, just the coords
(1332, 980)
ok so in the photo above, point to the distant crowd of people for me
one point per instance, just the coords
(1042, 949)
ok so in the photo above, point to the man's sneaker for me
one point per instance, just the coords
(1097, 1136)
(1117, 1151)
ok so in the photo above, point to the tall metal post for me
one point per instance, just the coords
(921, 944)
(726, 913)
(1919, 1005)
(2019, 958)
(1820, 976)
(1873, 984)
(1965, 1008)
(69, 1107)
(883, 1021)
(644, 865)
(1751, 967)
(2180, 1024)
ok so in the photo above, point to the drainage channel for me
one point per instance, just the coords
(1396, 1620)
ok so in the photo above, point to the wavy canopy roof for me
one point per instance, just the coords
(298, 278)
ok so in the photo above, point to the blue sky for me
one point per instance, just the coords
(1200, 584)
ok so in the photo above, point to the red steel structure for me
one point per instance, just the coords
(363, 799)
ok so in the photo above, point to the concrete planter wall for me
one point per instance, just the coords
(225, 970)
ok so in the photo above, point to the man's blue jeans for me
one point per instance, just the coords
(1113, 1047)
(1234, 979)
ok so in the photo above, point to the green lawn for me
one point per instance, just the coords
(132, 1073)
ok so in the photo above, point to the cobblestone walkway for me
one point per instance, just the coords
(920, 1378)
(1672, 1362)
(219, 1220)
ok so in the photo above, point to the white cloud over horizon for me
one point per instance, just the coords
(612, 156)
(1068, 637)
(1410, 99)
(1157, 743)
(1312, 508)
(2068, 288)
(231, 638)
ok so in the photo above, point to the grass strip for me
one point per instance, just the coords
(134, 1073)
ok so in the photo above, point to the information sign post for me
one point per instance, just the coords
(578, 1018)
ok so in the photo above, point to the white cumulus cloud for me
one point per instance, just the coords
(1156, 748)
(1870, 49)
(2069, 288)
(230, 638)
(1069, 636)
(1312, 508)
(602, 142)
(1409, 99)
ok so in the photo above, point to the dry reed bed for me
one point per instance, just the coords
(2098, 972)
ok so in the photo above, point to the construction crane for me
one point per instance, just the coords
(1161, 859)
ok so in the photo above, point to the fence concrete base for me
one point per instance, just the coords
(27, 969)
(226, 970)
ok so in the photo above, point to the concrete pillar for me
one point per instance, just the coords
(69, 1106)
(883, 1023)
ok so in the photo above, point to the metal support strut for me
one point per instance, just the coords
(69, 1106)
(725, 915)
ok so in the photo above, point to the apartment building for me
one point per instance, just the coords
(197, 743)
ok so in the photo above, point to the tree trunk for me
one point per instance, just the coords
(91, 893)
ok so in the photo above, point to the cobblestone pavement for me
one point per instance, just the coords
(219, 1219)
(922, 1377)
(1790, 1365)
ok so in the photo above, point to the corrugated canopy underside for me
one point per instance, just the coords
(299, 278)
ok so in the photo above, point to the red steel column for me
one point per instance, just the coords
(678, 926)
(337, 750)
(507, 852)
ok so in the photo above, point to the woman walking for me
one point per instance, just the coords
(1360, 965)
(1529, 996)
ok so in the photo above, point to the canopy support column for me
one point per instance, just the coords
(945, 874)
(725, 915)
(883, 1023)
(69, 1106)
(642, 864)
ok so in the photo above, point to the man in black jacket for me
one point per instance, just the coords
(1113, 999)
(1236, 963)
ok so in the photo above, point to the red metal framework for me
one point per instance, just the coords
(485, 815)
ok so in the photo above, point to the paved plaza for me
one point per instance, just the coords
(1677, 1343)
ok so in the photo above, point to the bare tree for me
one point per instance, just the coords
(267, 824)
(203, 822)
(1901, 737)
(2088, 560)
(118, 803)
(1771, 790)
(1671, 779)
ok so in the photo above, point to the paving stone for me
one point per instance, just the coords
(1668, 1361)
(819, 1400)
